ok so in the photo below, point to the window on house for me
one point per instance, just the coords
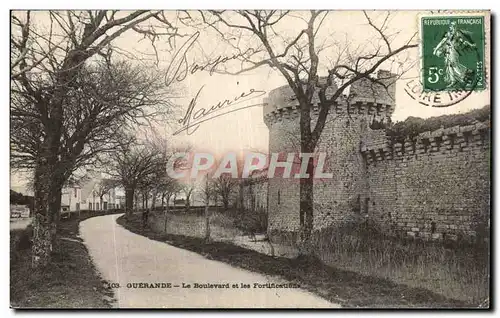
(75, 192)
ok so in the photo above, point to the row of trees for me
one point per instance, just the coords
(140, 167)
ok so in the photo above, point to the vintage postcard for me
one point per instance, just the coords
(250, 159)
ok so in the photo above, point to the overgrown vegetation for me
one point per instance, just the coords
(346, 287)
(413, 126)
(250, 222)
(458, 270)
(71, 281)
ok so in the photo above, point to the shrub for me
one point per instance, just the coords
(251, 221)
(413, 126)
(20, 240)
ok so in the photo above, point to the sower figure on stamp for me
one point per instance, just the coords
(452, 46)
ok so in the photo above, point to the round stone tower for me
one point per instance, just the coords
(354, 119)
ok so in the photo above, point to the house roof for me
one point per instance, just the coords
(89, 186)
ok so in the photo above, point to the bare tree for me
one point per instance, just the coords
(104, 187)
(299, 58)
(162, 184)
(188, 189)
(208, 191)
(146, 187)
(224, 187)
(167, 187)
(132, 165)
(46, 65)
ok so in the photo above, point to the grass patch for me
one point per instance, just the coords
(348, 288)
(457, 270)
(70, 281)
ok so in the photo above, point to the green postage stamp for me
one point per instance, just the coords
(452, 52)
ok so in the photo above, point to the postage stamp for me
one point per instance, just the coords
(453, 52)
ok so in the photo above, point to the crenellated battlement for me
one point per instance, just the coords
(443, 140)
(354, 110)
(367, 97)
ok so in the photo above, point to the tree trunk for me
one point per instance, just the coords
(153, 200)
(188, 203)
(207, 221)
(136, 201)
(240, 197)
(129, 201)
(166, 211)
(207, 213)
(49, 171)
(42, 240)
(306, 206)
(48, 182)
(55, 196)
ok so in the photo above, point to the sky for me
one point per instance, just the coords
(245, 129)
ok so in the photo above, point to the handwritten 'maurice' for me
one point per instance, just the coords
(192, 120)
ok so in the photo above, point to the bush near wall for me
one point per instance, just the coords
(413, 126)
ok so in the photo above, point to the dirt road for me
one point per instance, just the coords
(153, 274)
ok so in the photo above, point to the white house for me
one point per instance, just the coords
(95, 194)
(71, 198)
